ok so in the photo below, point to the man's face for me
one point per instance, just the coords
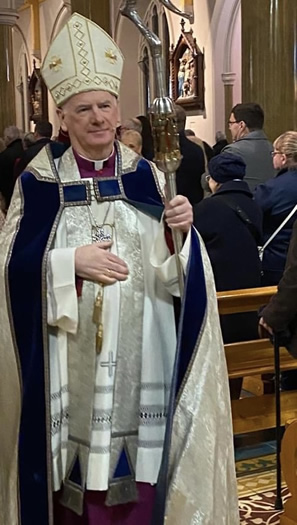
(237, 128)
(90, 119)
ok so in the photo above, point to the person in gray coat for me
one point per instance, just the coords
(250, 142)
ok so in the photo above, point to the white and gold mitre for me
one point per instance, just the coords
(82, 57)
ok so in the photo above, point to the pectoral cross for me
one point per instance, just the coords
(110, 364)
(102, 233)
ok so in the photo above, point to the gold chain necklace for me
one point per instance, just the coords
(100, 233)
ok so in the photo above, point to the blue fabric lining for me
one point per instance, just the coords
(41, 204)
(109, 188)
(140, 186)
(123, 468)
(194, 308)
(75, 193)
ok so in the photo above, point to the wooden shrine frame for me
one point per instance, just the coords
(187, 71)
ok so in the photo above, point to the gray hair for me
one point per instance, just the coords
(29, 139)
(132, 124)
(11, 133)
(220, 136)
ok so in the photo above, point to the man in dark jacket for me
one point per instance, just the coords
(42, 133)
(188, 176)
(230, 224)
(250, 142)
(280, 315)
(14, 149)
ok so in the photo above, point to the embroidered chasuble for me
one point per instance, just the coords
(151, 390)
(77, 419)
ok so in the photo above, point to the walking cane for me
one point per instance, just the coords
(278, 431)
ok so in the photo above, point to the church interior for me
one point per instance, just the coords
(226, 52)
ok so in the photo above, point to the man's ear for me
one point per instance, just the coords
(61, 116)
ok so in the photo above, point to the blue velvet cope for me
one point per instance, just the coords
(139, 188)
(41, 204)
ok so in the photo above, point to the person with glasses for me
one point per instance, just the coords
(250, 142)
(277, 198)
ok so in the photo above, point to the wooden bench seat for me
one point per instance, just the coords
(255, 357)
(258, 413)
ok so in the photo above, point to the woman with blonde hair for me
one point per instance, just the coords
(277, 198)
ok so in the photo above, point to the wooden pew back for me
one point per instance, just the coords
(251, 358)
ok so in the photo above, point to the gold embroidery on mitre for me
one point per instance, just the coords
(74, 87)
(56, 63)
(111, 56)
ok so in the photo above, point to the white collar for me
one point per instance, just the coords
(98, 164)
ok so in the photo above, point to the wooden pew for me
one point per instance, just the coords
(253, 358)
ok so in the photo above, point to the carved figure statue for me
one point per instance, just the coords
(181, 76)
(185, 75)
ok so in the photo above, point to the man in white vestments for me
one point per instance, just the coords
(88, 333)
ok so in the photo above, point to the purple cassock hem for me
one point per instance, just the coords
(96, 512)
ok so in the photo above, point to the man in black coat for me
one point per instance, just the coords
(42, 133)
(280, 315)
(14, 150)
(188, 175)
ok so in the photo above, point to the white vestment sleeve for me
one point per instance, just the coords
(62, 306)
(165, 264)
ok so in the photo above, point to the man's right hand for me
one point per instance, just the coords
(95, 263)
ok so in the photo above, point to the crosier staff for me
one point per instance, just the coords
(167, 158)
(166, 142)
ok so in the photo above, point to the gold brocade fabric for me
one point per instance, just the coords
(10, 388)
(203, 487)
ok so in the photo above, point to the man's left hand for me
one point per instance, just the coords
(179, 214)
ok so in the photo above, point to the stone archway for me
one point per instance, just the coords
(226, 31)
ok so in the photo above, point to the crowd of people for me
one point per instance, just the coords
(248, 222)
(91, 289)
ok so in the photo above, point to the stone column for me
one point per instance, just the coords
(269, 61)
(8, 18)
(98, 11)
(228, 81)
